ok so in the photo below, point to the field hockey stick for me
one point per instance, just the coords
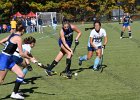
(89, 28)
(76, 44)
(74, 48)
(102, 57)
(41, 65)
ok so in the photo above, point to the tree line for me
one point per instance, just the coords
(72, 9)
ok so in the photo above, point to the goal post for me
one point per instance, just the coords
(47, 17)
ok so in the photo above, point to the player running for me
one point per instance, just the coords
(126, 24)
(65, 42)
(14, 41)
(95, 44)
(29, 43)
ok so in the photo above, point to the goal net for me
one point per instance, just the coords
(47, 22)
(47, 17)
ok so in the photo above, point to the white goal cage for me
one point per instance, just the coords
(47, 18)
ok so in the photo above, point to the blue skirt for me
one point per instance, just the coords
(6, 61)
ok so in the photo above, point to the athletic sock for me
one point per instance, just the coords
(68, 64)
(122, 33)
(129, 32)
(96, 62)
(83, 58)
(18, 82)
(54, 63)
(25, 70)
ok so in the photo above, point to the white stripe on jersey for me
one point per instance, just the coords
(97, 37)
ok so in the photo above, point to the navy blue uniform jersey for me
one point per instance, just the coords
(6, 61)
(10, 47)
(68, 34)
(126, 21)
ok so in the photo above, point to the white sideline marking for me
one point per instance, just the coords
(42, 37)
(45, 36)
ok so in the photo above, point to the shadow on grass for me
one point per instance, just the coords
(22, 92)
(91, 67)
(28, 80)
(125, 37)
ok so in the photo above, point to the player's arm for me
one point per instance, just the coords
(92, 39)
(122, 20)
(33, 60)
(131, 20)
(75, 28)
(64, 41)
(19, 43)
(105, 41)
(2, 42)
(91, 43)
(27, 61)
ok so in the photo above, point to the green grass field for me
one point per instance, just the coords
(118, 81)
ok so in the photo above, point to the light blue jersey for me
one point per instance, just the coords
(97, 37)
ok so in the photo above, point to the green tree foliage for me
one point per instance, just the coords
(72, 9)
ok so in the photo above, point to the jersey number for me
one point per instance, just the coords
(98, 40)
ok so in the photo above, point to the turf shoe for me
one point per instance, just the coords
(49, 72)
(95, 69)
(130, 37)
(16, 96)
(67, 75)
(23, 82)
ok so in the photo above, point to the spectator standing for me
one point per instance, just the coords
(13, 25)
(40, 23)
(28, 25)
(54, 24)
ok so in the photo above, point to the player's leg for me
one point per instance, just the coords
(25, 68)
(97, 59)
(54, 27)
(54, 63)
(122, 32)
(101, 59)
(129, 31)
(16, 69)
(4, 61)
(2, 75)
(86, 57)
(68, 58)
(19, 61)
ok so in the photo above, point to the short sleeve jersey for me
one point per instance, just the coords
(97, 37)
(25, 47)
